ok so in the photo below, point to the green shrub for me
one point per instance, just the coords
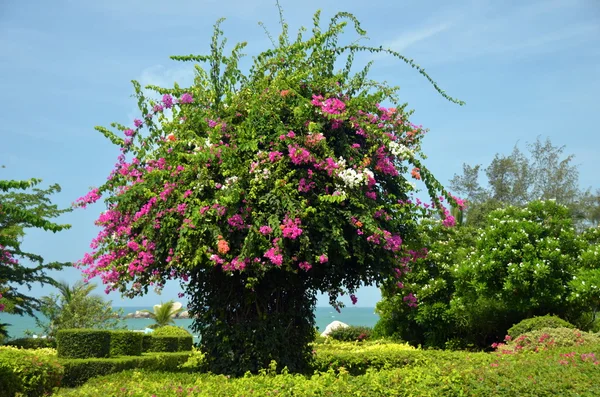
(170, 330)
(351, 333)
(537, 323)
(146, 342)
(32, 343)
(167, 344)
(549, 338)
(78, 371)
(83, 343)
(125, 343)
(185, 339)
(31, 373)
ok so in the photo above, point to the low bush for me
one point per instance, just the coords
(32, 343)
(27, 372)
(78, 371)
(83, 343)
(536, 323)
(562, 372)
(548, 338)
(125, 343)
(351, 333)
(170, 330)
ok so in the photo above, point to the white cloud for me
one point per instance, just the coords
(408, 39)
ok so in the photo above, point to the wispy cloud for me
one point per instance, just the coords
(408, 39)
(486, 28)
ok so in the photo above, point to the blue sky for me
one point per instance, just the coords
(525, 68)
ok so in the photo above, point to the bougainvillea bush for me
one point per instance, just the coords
(257, 190)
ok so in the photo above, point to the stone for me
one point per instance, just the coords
(334, 325)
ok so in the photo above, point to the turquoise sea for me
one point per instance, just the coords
(365, 316)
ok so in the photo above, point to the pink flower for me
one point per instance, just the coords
(274, 156)
(265, 230)
(353, 298)
(274, 256)
(186, 98)
(323, 259)
(291, 229)
(305, 266)
(138, 123)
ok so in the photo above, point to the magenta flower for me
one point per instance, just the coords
(186, 98)
(138, 122)
(323, 259)
(168, 101)
(265, 230)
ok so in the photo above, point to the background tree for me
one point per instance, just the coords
(23, 206)
(261, 190)
(75, 307)
(544, 173)
(164, 313)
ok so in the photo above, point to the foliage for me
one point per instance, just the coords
(165, 343)
(23, 206)
(78, 371)
(125, 343)
(164, 313)
(262, 189)
(571, 372)
(83, 343)
(547, 338)
(429, 322)
(537, 323)
(32, 343)
(32, 373)
(351, 333)
(170, 330)
(520, 267)
(545, 173)
(585, 284)
(74, 307)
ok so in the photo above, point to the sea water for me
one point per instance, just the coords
(364, 316)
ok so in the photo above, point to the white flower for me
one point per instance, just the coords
(399, 150)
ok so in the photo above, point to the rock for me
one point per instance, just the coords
(184, 314)
(140, 314)
(334, 325)
(129, 315)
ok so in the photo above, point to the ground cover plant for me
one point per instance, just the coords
(259, 189)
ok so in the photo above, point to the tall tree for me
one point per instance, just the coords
(263, 189)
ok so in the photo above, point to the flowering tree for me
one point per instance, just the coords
(21, 208)
(258, 190)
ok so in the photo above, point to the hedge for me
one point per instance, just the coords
(32, 343)
(552, 373)
(83, 343)
(125, 343)
(30, 373)
(151, 343)
(78, 371)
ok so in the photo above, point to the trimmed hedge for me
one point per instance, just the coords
(78, 371)
(30, 373)
(151, 343)
(83, 343)
(563, 372)
(125, 343)
(537, 323)
(32, 343)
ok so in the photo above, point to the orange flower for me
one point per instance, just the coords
(171, 137)
(366, 161)
(415, 173)
(358, 223)
(284, 93)
(223, 247)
